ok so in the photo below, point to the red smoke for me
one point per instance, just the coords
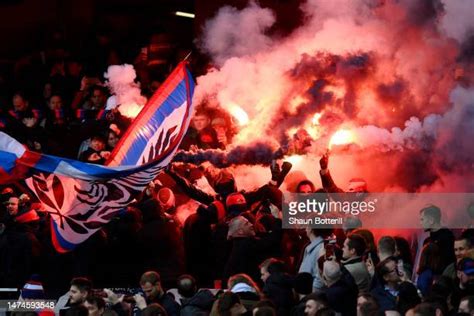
(386, 71)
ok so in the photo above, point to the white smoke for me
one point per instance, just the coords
(458, 20)
(234, 33)
(121, 82)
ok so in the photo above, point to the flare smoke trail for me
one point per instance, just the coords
(396, 73)
(120, 80)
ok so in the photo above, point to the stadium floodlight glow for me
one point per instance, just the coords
(185, 14)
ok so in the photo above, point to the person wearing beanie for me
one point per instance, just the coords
(340, 290)
(302, 286)
(236, 204)
(33, 289)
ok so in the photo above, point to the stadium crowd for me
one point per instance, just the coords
(230, 256)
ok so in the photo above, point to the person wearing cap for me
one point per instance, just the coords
(33, 289)
(465, 273)
(303, 287)
(340, 291)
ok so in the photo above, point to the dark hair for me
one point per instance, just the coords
(325, 311)
(357, 242)
(369, 308)
(368, 237)
(320, 298)
(425, 309)
(437, 303)
(469, 241)
(226, 302)
(83, 284)
(151, 277)
(79, 310)
(408, 297)
(100, 88)
(387, 245)
(264, 303)
(202, 112)
(443, 287)
(403, 248)
(273, 265)
(95, 300)
(322, 232)
(303, 283)
(433, 212)
(264, 311)
(154, 309)
(186, 285)
(381, 269)
(430, 258)
(305, 182)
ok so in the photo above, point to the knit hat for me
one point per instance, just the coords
(303, 283)
(224, 183)
(242, 287)
(166, 198)
(236, 204)
(33, 289)
(466, 265)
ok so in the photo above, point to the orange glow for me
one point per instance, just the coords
(342, 137)
(294, 159)
(316, 118)
(239, 114)
(130, 110)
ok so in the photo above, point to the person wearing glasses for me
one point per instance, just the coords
(386, 289)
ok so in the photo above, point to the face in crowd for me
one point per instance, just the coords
(76, 295)
(12, 206)
(151, 290)
(201, 122)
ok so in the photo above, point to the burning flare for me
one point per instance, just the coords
(342, 137)
(240, 115)
(130, 110)
(294, 159)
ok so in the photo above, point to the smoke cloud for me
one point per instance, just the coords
(121, 82)
(385, 70)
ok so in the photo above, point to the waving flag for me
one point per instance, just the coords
(82, 197)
